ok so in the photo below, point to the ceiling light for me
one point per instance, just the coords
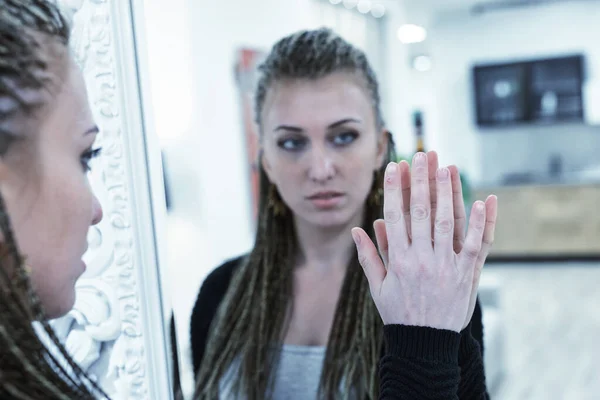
(364, 6)
(350, 3)
(378, 10)
(410, 33)
(422, 63)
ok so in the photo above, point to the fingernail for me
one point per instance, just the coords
(391, 168)
(419, 159)
(443, 174)
(356, 237)
(479, 206)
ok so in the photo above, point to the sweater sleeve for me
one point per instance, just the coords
(423, 363)
(472, 376)
(419, 363)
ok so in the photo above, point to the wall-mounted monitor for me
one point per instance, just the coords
(536, 91)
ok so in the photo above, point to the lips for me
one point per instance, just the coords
(325, 195)
(326, 200)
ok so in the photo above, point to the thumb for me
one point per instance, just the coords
(369, 259)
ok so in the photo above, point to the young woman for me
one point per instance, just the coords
(46, 204)
(294, 319)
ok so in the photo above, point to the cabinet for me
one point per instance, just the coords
(546, 220)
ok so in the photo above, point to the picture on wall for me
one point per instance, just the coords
(246, 71)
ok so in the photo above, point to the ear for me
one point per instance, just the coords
(382, 146)
(266, 166)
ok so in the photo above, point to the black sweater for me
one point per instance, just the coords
(418, 362)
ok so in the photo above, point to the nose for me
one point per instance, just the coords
(322, 166)
(97, 213)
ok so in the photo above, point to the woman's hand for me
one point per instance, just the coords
(428, 276)
(460, 216)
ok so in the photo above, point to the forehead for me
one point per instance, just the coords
(70, 110)
(317, 102)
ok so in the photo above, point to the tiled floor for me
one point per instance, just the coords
(550, 315)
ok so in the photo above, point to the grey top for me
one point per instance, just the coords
(297, 377)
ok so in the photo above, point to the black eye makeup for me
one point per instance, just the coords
(344, 138)
(296, 142)
(292, 143)
(87, 157)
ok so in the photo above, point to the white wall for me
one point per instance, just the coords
(458, 40)
(398, 81)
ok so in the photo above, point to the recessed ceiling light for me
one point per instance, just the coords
(350, 3)
(422, 63)
(411, 33)
(378, 10)
(364, 6)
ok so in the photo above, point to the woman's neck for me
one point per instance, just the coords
(325, 249)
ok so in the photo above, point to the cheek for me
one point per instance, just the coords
(55, 235)
(361, 170)
(283, 167)
(288, 176)
(67, 203)
(362, 180)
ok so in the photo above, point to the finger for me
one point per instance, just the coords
(472, 245)
(369, 259)
(444, 221)
(392, 212)
(420, 202)
(382, 242)
(432, 165)
(491, 213)
(405, 186)
(460, 215)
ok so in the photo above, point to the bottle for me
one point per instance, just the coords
(418, 124)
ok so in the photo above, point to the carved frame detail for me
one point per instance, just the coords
(117, 329)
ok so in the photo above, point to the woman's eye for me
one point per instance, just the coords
(292, 144)
(344, 138)
(87, 157)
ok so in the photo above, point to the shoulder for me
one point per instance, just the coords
(209, 298)
(214, 287)
(221, 276)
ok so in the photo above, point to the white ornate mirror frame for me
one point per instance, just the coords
(118, 328)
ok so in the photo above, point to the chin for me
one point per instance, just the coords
(60, 309)
(331, 219)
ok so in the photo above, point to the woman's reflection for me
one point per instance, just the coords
(294, 318)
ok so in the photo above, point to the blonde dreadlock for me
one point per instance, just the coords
(252, 317)
(29, 31)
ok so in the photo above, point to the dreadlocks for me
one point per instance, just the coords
(33, 40)
(253, 315)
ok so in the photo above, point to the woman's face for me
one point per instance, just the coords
(44, 182)
(321, 147)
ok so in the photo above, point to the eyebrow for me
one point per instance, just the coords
(331, 126)
(92, 130)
